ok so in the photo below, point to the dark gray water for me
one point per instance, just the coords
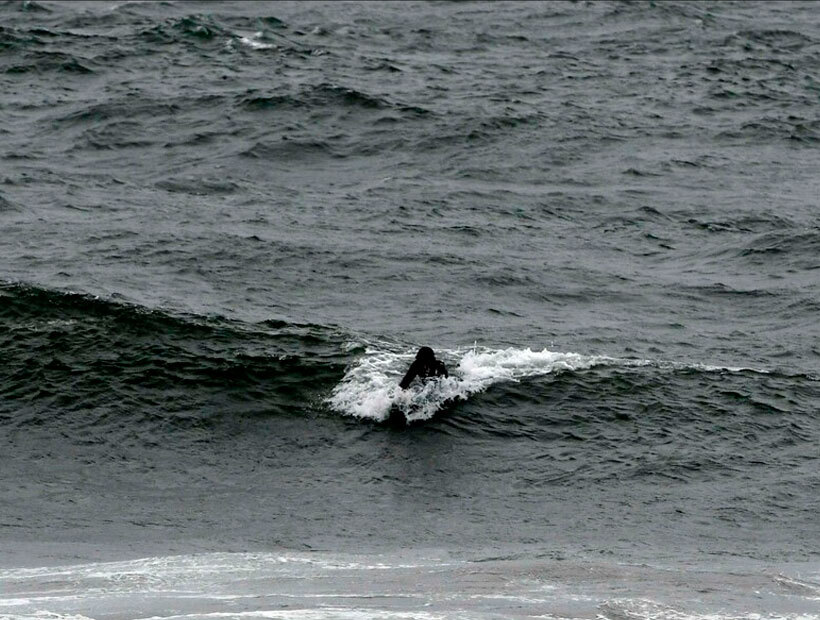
(227, 226)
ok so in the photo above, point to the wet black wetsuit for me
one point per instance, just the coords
(423, 370)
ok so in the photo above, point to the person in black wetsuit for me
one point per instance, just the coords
(424, 366)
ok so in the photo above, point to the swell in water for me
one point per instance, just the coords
(369, 389)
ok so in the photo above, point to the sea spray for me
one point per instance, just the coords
(370, 387)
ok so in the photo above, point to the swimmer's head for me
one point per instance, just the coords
(426, 355)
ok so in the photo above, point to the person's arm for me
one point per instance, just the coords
(442, 370)
(411, 374)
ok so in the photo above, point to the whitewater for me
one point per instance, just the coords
(369, 389)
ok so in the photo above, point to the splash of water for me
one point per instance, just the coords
(370, 389)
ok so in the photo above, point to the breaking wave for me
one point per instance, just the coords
(369, 389)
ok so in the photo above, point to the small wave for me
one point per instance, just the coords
(255, 102)
(338, 95)
(12, 39)
(112, 135)
(131, 109)
(807, 243)
(272, 22)
(776, 40)
(643, 609)
(42, 61)
(34, 7)
(192, 27)
(6, 205)
(743, 224)
(197, 26)
(798, 586)
(256, 42)
(794, 129)
(197, 186)
(286, 150)
(27, 304)
(369, 390)
(117, 356)
(325, 95)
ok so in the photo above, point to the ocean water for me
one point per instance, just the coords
(228, 226)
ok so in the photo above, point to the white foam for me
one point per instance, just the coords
(802, 586)
(255, 42)
(142, 574)
(43, 615)
(326, 613)
(713, 368)
(370, 388)
(644, 609)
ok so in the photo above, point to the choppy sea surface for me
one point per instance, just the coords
(227, 227)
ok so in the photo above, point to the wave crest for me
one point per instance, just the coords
(369, 389)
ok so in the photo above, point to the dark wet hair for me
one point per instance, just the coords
(425, 354)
